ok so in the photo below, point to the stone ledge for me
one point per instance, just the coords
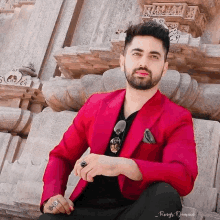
(189, 53)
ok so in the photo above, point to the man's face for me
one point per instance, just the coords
(144, 63)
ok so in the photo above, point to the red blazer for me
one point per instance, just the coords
(172, 159)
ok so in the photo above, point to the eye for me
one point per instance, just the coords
(136, 54)
(155, 57)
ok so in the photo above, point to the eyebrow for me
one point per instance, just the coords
(137, 49)
(156, 52)
(151, 52)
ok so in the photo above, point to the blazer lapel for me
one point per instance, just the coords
(105, 121)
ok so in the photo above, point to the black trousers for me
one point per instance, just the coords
(159, 201)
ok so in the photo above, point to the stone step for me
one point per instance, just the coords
(212, 216)
(34, 172)
(27, 197)
(11, 203)
(202, 198)
(28, 194)
(6, 195)
(12, 172)
(188, 213)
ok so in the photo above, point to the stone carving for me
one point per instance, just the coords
(148, 10)
(28, 70)
(19, 77)
(164, 9)
(174, 35)
(185, 28)
(201, 99)
(172, 25)
(179, 13)
(11, 4)
(160, 21)
(14, 77)
(191, 12)
(20, 88)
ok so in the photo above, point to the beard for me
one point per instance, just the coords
(142, 83)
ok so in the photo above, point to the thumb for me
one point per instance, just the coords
(70, 203)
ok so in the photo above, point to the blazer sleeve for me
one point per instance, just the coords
(179, 162)
(63, 157)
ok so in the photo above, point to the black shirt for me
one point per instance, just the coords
(104, 191)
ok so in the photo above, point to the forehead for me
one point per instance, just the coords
(147, 44)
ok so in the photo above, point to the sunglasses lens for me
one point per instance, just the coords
(120, 127)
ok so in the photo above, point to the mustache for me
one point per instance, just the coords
(142, 68)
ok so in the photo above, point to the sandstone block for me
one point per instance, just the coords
(188, 213)
(201, 198)
(207, 147)
(28, 192)
(4, 145)
(6, 195)
(46, 132)
(12, 172)
(34, 172)
(213, 50)
(212, 216)
(13, 149)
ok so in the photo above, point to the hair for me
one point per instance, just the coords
(150, 28)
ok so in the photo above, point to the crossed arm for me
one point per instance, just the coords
(107, 166)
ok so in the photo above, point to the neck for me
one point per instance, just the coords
(135, 99)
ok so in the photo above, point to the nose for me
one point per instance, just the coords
(143, 62)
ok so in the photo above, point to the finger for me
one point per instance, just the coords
(51, 208)
(71, 205)
(75, 167)
(65, 205)
(78, 166)
(85, 170)
(92, 173)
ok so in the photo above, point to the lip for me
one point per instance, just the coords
(143, 73)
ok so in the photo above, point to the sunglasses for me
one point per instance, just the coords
(115, 143)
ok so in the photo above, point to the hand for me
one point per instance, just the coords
(97, 165)
(64, 205)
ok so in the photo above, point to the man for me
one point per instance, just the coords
(143, 153)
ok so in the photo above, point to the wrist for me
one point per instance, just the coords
(124, 165)
(129, 168)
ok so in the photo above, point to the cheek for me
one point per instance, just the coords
(129, 64)
(157, 67)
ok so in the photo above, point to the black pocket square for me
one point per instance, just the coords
(148, 137)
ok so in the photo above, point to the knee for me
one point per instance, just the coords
(162, 189)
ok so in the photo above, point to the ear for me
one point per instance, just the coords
(122, 62)
(165, 68)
